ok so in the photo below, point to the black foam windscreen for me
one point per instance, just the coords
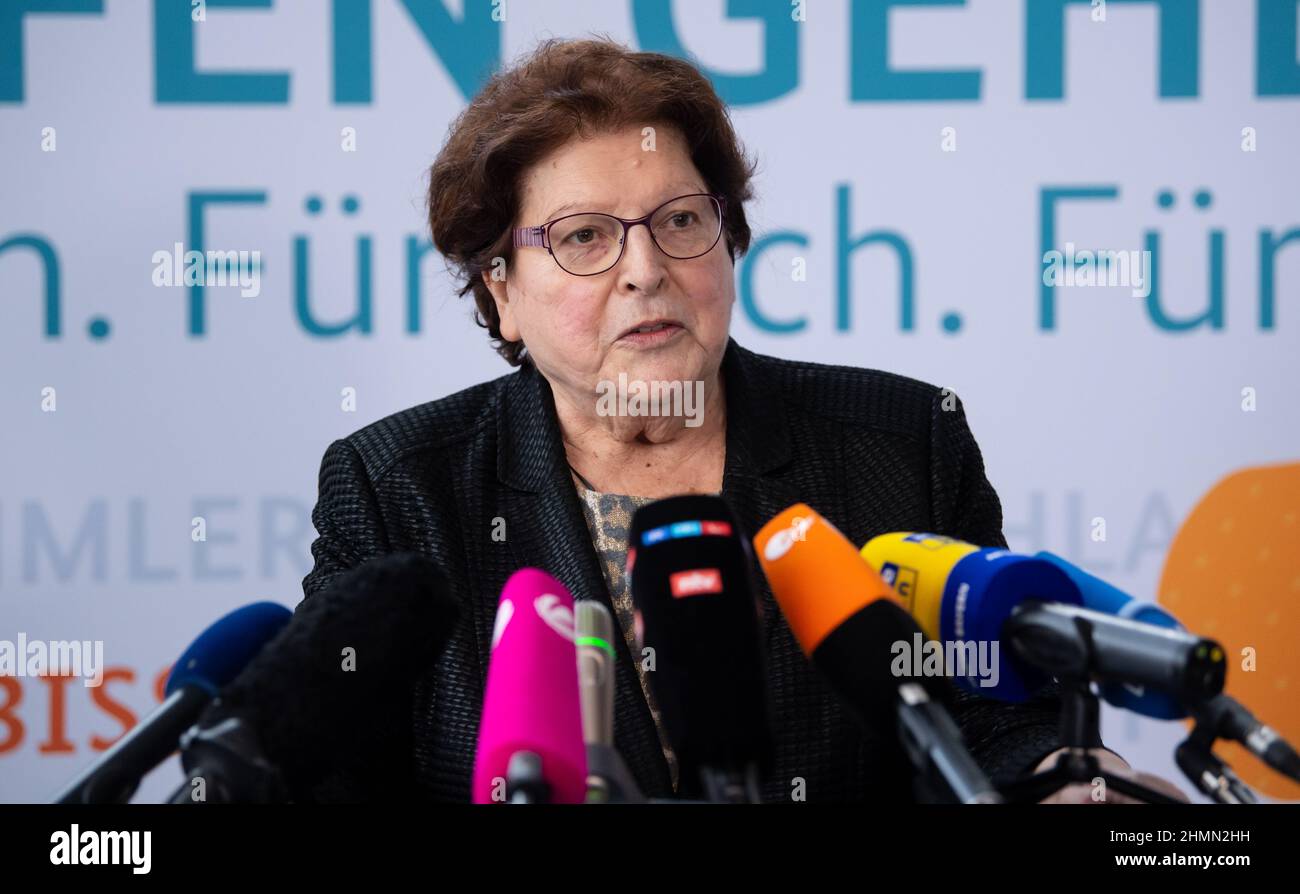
(858, 659)
(696, 608)
(331, 696)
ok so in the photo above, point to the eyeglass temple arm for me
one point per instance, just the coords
(528, 236)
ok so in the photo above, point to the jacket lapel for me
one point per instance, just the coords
(546, 529)
(758, 444)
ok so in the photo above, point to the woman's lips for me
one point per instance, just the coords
(661, 332)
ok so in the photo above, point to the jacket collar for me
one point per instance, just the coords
(530, 452)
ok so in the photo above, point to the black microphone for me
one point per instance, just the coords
(697, 610)
(1075, 642)
(328, 702)
(1227, 718)
(1211, 775)
(211, 661)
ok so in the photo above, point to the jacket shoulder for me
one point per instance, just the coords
(433, 425)
(870, 398)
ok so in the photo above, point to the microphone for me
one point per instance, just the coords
(1211, 775)
(696, 609)
(851, 624)
(211, 661)
(1103, 597)
(1225, 716)
(328, 702)
(594, 630)
(530, 743)
(987, 594)
(1229, 719)
(960, 611)
(608, 778)
(1069, 641)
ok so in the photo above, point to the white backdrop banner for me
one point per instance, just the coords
(1083, 217)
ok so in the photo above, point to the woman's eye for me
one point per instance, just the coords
(682, 219)
(583, 236)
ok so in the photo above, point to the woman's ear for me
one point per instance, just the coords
(501, 298)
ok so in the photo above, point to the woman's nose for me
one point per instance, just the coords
(642, 266)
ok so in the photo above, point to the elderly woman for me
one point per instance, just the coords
(592, 200)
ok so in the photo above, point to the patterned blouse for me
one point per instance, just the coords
(609, 519)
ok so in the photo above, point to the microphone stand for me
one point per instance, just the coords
(608, 779)
(525, 781)
(725, 785)
(946, 772)
(227, 758)
(1080, 713)
(1214, 778)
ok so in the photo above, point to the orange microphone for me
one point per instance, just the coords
(854, 629)
(817, 576)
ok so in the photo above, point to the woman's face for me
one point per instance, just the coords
(579, 330)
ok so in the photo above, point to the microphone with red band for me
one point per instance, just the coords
(697, 614)
(849, 622)
(530, 745)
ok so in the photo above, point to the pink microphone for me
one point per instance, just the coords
(531, 704)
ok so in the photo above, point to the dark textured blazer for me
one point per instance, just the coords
(871, 451)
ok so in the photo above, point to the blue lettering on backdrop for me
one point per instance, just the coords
(50, 265)
(845, 246)
(91, 544)
(1214, 315)
(417, 249)
(871, 78)
(11, 36)
(196, 202)
(1277, 70)
(362, 319)
(176, 80)
(1268, 247)
(1048, 197)
(655, 32)
(1272, 243)
(469, 47)
(1179, 40)
(39, 536)
(748, 300)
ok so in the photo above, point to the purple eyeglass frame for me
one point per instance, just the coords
(540, 236)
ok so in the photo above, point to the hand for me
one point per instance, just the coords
(1082, 792)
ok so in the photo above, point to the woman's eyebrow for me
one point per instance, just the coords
(567, 206)
(583, 206)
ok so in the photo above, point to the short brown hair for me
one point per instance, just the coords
(565, 89)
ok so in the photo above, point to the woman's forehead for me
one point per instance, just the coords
(606, 173)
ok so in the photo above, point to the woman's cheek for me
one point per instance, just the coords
(579, 318)
(716, 311)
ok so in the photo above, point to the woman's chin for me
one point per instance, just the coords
(678, 363)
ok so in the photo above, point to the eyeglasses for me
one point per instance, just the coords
(586, 244)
